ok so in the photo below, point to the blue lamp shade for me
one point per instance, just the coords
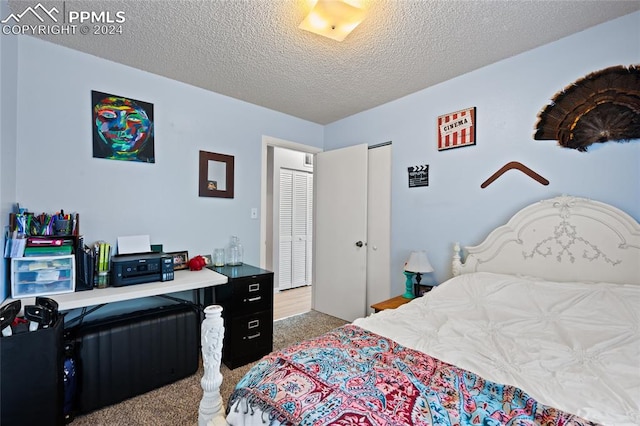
(418, 263)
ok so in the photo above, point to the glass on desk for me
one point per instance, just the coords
(218, 257)
(103, 279)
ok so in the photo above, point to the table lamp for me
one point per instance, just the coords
(417, 264)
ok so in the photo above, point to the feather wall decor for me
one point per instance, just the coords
(603, 106)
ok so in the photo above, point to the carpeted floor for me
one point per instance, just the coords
(177, 403)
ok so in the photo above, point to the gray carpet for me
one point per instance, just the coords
(177, 403)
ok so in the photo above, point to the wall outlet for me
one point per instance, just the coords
(254, 213)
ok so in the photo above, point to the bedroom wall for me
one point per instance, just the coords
(8, 130)
(508, 96)
(114, 198)
(55, 168)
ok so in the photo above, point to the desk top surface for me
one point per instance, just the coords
(184, 280)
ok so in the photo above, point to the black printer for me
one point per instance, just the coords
(128, 269)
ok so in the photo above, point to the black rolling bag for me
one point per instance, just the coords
(125, 356)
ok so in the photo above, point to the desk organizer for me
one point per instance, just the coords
(42, 276)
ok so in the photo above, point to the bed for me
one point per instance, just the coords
(540, 324)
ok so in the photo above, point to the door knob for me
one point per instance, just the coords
(359, 244)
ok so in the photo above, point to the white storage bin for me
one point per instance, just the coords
(43, 275)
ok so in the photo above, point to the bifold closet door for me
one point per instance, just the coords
(296, 207)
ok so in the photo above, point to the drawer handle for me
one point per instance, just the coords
(253, 336)
(253, 299)
(254, 287)
(253, 324)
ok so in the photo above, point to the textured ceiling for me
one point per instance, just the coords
(253, 50)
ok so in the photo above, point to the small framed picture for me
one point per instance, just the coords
(457, 129)
(180, 260)
(421, 290)
(207, 259)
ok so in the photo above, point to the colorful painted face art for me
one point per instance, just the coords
(123, 128)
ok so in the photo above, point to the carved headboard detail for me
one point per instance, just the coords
(562, 239)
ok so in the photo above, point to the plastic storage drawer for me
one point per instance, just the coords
(40, 276)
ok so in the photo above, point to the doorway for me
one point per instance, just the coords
(291, 302)
(378, 250)
(292, 244)
(296, 160)
(353, 229)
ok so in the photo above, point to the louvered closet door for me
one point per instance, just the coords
(286, 228)
(309, 256)
(295, 228)
(300, 228)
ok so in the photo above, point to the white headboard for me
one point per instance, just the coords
(562, 239)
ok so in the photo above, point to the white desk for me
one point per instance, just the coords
(184, 280)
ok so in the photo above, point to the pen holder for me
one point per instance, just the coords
(62, 227)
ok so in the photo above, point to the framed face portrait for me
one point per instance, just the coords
(122, 128)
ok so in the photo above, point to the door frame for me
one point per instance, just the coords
(281, 143)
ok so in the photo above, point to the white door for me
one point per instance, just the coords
(340, 232)
(309, 224)
(296, 206)
(379, 225)
(301, 205)
(286, 229)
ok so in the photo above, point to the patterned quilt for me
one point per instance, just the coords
(350, 376)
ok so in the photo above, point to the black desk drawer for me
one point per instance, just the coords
(247, 300)
(245, 295)
(251, 331)
(252, 294)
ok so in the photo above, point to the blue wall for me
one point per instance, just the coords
(47, 133)
(508, 96)
(8, 130)
(117, 198)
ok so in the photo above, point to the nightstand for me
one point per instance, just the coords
(392, 303)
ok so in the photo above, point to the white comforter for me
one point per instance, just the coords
(573, 346)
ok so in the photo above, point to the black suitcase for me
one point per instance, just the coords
(125, 356)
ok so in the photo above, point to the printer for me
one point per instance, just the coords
(139, 268)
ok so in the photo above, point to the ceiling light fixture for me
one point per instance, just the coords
(333, 18)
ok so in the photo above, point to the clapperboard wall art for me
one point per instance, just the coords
(418, 176)
(457, 129)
